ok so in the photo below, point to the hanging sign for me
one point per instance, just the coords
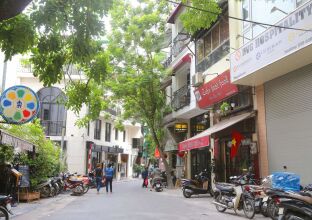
(19, 105)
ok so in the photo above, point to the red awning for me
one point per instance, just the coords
(203, 138)
(171, 18)
(186, 59)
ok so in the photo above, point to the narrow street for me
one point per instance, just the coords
(128, 201)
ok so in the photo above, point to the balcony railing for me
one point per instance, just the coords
(168, 61)
(181, 97)
(213, 57)
(179, 43)
(52, 128)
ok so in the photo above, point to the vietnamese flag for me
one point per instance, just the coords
(236, 141)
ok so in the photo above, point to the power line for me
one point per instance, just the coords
(235, 18)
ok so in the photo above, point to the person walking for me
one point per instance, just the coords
(98, 177)
(109, 173)
(145, 177)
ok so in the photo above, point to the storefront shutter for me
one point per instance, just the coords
(288, 101)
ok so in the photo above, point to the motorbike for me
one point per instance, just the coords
(201, 185)
(298, 206)
(75, 185)
(5, 207)
(46, 189)
(235, 197)
(158, 185)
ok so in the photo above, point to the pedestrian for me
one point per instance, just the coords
(109, 173)
(145, 177)
(99, 177)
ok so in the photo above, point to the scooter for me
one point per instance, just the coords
(46, 189)
(200, 185)
(235, 197)
(298, 207)
(5, 207)
(75, 185)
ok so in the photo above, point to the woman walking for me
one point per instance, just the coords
(109, 173)
(99, 177)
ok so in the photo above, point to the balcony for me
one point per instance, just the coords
(168, 61)
(52, 128)
(213, 57)
(181, 98)
(179, 43)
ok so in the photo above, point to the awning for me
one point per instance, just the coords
(172, 16)
(203, 138)
(16, 142)
(186, 59)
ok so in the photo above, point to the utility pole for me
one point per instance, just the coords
(4, 75)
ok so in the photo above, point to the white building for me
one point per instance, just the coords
(108, 145)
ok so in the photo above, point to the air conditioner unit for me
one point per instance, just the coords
(197, 79)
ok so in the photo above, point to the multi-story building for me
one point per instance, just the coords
(275, 60)
(100, 142)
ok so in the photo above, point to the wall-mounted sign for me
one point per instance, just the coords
(180, 127)
(273, 44)
(215, 90)
(19, 105)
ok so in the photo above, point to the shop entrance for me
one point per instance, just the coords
(200, 160)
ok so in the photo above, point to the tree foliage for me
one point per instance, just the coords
(60, 35)
(194, 20)
(47, 161)
(134, 45)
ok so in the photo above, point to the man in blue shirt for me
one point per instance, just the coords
(109, 173)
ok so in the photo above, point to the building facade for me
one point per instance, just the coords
(100, 142)
(275, 61)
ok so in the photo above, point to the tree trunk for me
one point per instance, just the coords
(11, 8)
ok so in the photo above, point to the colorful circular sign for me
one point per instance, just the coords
(19, 105)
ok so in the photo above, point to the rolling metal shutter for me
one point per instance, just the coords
(288, 102)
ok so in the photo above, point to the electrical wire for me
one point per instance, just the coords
(235, 18)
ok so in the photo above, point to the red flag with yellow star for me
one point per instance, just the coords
(236, 141)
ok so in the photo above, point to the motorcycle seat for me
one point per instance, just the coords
(306, 198)
(305, 194)
(225, 188)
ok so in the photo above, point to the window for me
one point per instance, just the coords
(207, 42)
(116, 134)
(52, 112)
(135, 142)
(108, 127)
(124, 136)
(97, 129)
(224, 30)
(215, 37)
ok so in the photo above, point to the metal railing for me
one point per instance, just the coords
(52, 128)
(181, 98)
(179, 43)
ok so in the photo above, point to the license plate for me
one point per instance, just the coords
(257, 203)
(9, 207)
(265, 199)
(281, 211)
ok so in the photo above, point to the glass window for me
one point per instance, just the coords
(52, 112)
(199, 50)
(124, 136)
(215, 37)
(97, 129)
(116, 134)
(207, 40)
(108, 128)
(224, 30)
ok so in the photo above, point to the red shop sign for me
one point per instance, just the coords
(194, 143)
(215, 90)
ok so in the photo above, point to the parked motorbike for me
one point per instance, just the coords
(5, 207)
(46, 189)
(158, 185)
(234, 196)
(73, 184)
(201, 185)
(298, 206)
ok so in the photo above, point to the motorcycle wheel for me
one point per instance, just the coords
(249, 208)
(186, 194)
(264, 210)
(272, 210)
(219, 208)
(85, 188)
(45, 192)
(52, 192)
(4, 214)
(78, 190)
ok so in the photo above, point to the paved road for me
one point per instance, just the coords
(128, 201)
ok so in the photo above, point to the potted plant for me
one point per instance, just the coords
(224, 107)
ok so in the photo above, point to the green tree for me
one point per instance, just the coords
(194, 20)
(60, 35)
(137, 32)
